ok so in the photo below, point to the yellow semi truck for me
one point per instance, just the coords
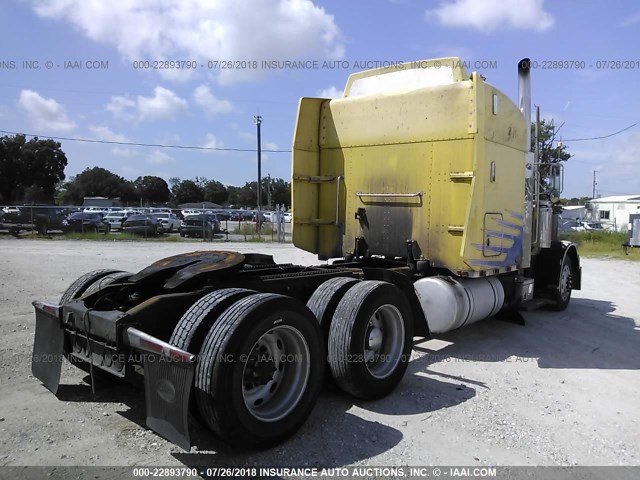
(419, 183)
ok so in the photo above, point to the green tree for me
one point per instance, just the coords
(280, 192)
(129, 193)
(152, 189)
(98, 182)
(215, 192)
(30, 168)
(232, 195)
(186, 191)
(551, 154)
(246, 196)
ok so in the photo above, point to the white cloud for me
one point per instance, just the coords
(123, 152)
(45, 113)
(270, 146)
(158, 157)
(209, 103)
(204, 30)
(212, 142)
(331, 92)
(163, 105)
(100, 132)
(490, 15)
(120, 107)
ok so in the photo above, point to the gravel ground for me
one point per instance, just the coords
(563, 390)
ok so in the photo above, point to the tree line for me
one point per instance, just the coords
(33, 172)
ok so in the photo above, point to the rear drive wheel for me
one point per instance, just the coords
(562, 293)
(104, 281)
(192, 329)
(370, 339)
(260, 370)
(86, 284)
(78, 288)
(323, 304)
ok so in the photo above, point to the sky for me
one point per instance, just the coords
(84, 69)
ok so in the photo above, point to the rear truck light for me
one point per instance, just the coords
(48, 345)
(168, 380)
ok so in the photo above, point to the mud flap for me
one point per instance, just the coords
(167, 387)
(46, 361)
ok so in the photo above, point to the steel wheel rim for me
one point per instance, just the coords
(565, 282)
(283, 350)
(384, 341)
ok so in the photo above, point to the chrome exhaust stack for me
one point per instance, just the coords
(530, 193)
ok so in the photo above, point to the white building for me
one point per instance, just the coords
(573, 212)
(613, 211)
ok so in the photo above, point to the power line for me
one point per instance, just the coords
(156, 145)
(603, 136)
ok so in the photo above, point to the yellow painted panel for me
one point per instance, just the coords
(306, 162)
(439, 166)
(416, 116)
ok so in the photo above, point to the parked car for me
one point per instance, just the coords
(102, 210)
(244, 215)
(202, 225)
(10, 210)
(287, 217)
(186, 213)
(581, 226)
(115, 220)
(143, 224)
(41, 218)
(86, 222)
(262, 217)
(169, 221)
(223, 214)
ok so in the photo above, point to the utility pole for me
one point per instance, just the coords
(269, 191)
(258, 122)
(594, 184)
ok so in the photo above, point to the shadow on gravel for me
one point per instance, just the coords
(332, 436)
(586, 335)
(108, 391)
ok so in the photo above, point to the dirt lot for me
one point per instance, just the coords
(563, 390)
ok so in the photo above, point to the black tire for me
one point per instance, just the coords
(376, 313)
(104, 281)
(252, 402)
(42, 228)
(323, 304)
(182, 233)
(192, 329)
(562, 293)
(77, 288)
(95, 281)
